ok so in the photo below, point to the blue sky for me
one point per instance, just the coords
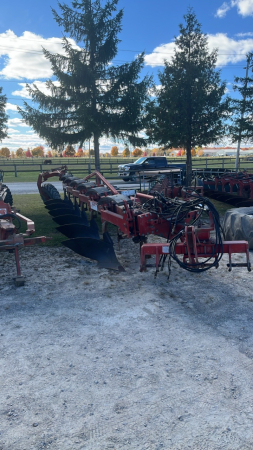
(148, 25)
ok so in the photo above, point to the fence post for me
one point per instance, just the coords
(222, 163)
(15, 167)
(111, 167)
(41, 168)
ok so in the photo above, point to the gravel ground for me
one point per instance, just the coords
(91, 359)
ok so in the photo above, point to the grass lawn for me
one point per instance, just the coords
(221, 207)
(32, 207)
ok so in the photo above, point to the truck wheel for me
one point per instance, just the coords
(50, 192)
(125, 179)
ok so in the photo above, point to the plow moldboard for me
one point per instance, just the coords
(100, 251)
(75, 230)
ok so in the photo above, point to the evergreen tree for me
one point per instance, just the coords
(242, 110)
(189, 110)
(94, 97)
(3, 116)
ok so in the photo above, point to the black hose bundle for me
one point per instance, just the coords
(176, 211)
(217, 252)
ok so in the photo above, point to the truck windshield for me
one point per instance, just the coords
(140, 160)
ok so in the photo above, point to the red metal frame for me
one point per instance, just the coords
(44, 176)
(193, 253)
(243, 180)
(11, 240)
(195, 243)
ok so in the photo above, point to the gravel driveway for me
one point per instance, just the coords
(91, 359)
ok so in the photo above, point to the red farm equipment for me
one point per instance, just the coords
(11, 240)
(190, 228)
(234, 188)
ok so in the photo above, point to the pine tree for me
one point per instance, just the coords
(94, 97)
(3, 116)
(189, 110)
(241, 127)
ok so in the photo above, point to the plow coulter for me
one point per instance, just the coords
(190, 227)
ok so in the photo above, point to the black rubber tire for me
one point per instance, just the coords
(238, 225)
(7, 197)
(51, 191)
(125, 179)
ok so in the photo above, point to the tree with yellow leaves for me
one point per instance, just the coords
(70, 151)
(137, 152)
(19, 152)
(126, 153)
(114, 151)
(38, 151)
(5, 152)
(80, 152)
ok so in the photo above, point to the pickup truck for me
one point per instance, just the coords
(132, 171)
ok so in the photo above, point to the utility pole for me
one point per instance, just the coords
(249, 56)
(89, 158)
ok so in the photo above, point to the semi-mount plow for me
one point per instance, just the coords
(190, 228)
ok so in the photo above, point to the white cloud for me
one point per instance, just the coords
(31, 139)
(222, 10)
(164, 51)
(24, 57)
(12, 130)
(249, 33)
(244, 8)
(23, 140)
(17, 122)
(10, 107)
(22, 92)
(229, 50)
(41, 85)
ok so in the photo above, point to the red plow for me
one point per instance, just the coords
(190, 227)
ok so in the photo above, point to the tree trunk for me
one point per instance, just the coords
(188, 165)
(96, 151)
